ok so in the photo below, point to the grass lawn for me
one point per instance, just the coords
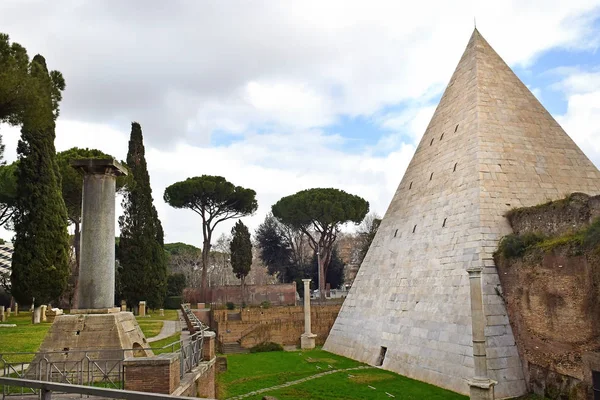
(249, 372)
(152, 323)
(25, 337)
(163, 342)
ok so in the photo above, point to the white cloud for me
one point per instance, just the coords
(273, 75)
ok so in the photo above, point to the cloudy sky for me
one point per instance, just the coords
(281, 96)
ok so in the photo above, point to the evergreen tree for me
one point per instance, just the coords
(40, 262)
(241, 252)
(143, 273)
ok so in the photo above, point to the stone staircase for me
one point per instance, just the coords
(233, 348)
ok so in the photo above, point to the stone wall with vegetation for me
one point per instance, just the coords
(550, 275)
(282, 325)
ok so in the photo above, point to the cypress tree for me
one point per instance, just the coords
(40, 265)
(143, 274)
(241, 252)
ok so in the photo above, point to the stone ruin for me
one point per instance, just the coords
(426, 301)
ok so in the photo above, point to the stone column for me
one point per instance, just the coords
(2, 316)
(307, 339)
(8, 313)
(161, 312)
(123, 305)
(16, 308)
(481, 386)
(43, 312)
(142, 309)
(96, 283)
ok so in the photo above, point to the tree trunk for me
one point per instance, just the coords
(75, 271)
(243, 279)
(205, 260)
(36, 315)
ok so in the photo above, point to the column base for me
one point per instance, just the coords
(481, 389)
(307, 341)
(108, 310)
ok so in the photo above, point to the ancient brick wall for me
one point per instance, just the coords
(280, 294)
(553, 299)
(282, 325)
(157, 374)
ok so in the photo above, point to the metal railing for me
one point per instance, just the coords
(92, 367)
(46, 389)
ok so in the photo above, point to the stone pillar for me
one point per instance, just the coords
(123, 305)
(96, 282)
(2, 315)
(8, 313)
(307, 339)
(481, 387)
(43, 312)
(16, 308)
(142, 309)
(208, 347)
(161, 312)
(200, 306)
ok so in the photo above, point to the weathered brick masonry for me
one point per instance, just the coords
(490, 146)
(282, 325)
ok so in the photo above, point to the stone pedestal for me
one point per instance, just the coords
(481, 389)
(209, 346)
(142, 309)
(96, 281)
(307, 339)
(7, 312)
(161, 312)
(123, 305)
(16, 308)
(2, 315)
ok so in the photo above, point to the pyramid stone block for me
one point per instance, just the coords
(489, 147)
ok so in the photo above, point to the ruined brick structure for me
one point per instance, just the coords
(489, 147)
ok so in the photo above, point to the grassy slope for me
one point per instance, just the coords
(249, 372)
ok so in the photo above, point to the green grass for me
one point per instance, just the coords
(163, 342)
(152, 323)
(249, 372)
(25, 337)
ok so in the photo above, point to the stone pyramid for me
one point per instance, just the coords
(489, 147)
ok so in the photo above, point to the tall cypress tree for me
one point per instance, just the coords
(241, 253)
(40, 265)
(143, 273)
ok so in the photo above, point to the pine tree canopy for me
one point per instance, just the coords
(143, 273)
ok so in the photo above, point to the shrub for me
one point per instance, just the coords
(267, 346)
(173, 302)
(512, 246)
(243, 304)
(265, 304)
(230, 305)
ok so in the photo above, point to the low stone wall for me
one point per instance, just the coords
(282, 325)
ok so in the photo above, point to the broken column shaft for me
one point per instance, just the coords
(96, 283)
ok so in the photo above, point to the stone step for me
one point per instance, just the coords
(233, 348)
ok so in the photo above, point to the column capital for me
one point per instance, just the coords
(306, 280)
(99, 166)
(474, 272)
